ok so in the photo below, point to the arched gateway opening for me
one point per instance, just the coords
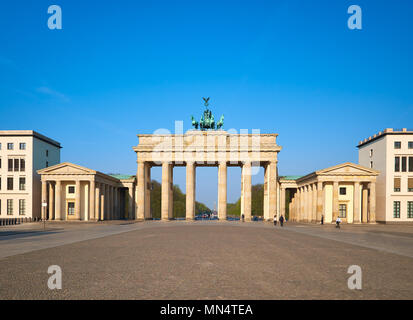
(194, 149)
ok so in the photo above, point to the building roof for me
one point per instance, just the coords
(290, 177)
(29, 133)
(384, 133)
(122, 176)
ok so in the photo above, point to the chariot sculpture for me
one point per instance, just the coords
(207, 121)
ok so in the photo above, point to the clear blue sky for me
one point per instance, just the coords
(127, 67)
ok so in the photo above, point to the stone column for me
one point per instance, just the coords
(272, 188)
(247, 191)
(282, 201)
(335, 200)
(97, 202)
(102, 201)
(58, 203)
(190, 190)
(44, 200)
(365, 204)
(165, 191)
(314, 209)
(304, 205)
(148, 186)
(171, 192)
(320, 201)
(372, 202)
(116, 205)
(141, 191)
(267, 215)
(222, 191)
(52, 215)
(297, 205)
(92, 199)
(77, 200)
(356, 203)
(130, 203)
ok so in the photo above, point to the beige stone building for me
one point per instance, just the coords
(22, 153)
(73, 192)
(391, 152)
(346, 190)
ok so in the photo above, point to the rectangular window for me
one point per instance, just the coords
(396, 209)
(410, 164)
(47, 153)
(0, 163)
(371, 153)
(22, 207)
(396, 164)
(410, 184)
(343, 191)
(9, 183)
(47, 164)
(342, 209)
(16, 164)
(404, 164)
(0, 185)
(22, 165)
(71, 190)
(410, 209)
(0, 146)
(22, 146)
(71, 208)
(10, 146)
(410, 144)
(397, 145)
(10, 164)
(371, 164)
(22, 183)
(9, 207)
(397, 184)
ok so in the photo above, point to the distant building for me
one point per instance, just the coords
(22, 153)
(391, 152)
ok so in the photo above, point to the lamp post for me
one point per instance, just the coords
(44, 207)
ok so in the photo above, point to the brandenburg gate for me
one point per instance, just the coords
(210, 148)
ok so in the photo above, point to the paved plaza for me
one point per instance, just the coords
(205, 260)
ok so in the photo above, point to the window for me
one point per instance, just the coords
(410, 209)
(10, 164)
(0, 185)
(410, 145)
(397, 164)
(343, 191)
(47, 153)
(71, 190)
(47, 164)
(396, 209)
(16, 164)
(371, 164)
(410, 184)
(22, 146)
(71, 208)
(0, 146)
(404, 164)
(410, 164)
(10, 146)
(22, 183)
(22, 207)
(0, 163)
(371, 153)
(22, 165)
(342, 210)
(397, 145)
(9, 206)
(10, 183)
(396, 184)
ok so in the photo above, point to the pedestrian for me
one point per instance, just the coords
(282, 221)
(275, 220)
(338, 221)
(322, 219)
(243, 217)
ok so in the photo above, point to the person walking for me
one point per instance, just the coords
(338, 221)
(322, 219)
(275, 220)
(282, 221)
(243, 217)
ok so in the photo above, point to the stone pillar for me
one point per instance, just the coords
(52, 215)
(335, 200)
(320, 201)
(77, 200)
(365, 204)
(247, 191)
(130, 203)
(171, 192)
(148, 186)
(304, 205)
(165, 191)
(58, 203)
(297, 205)
(267, 215)
(222, 191)
(372, 202)
(97, 202)
(190, 190)
(44, 200)
(356, 203)
(314, 202)
(102, 202)
(272, 188)
(116, 204)
(141, 191)
(282, 201)
(92, 199)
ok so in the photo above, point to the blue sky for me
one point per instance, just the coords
(126, 67)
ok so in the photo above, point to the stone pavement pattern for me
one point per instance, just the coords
(180, 260)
